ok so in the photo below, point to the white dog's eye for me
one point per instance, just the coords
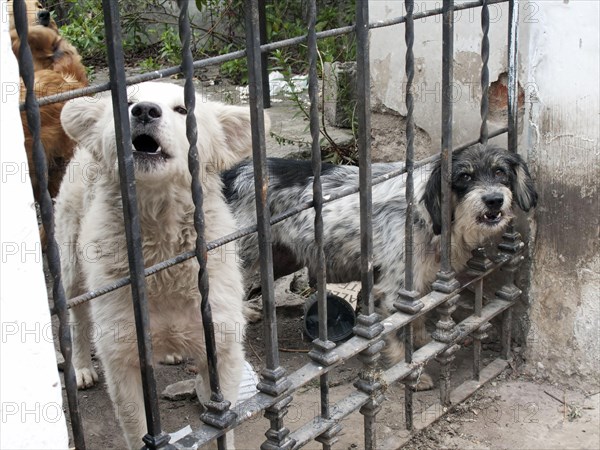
(180, 110)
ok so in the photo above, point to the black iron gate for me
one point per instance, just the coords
(276, 386)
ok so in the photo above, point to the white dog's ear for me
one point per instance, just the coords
(236, 124)
(79, 115)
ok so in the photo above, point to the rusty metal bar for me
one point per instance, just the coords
(155, 438)
(265, 48)
(485, 72)
(26, 71)
(273, 379)
(217, 411)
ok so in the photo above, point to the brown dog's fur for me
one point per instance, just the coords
(58, 68)
(57, 145)
(50, 51)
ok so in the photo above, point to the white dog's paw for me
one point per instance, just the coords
(172, 359)
(424, 383)
(86, 377)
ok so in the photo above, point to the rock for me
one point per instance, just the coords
(540, 366)
(181, 390)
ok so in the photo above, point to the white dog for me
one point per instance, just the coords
(90, 230)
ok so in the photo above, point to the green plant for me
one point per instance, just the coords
(149, 64)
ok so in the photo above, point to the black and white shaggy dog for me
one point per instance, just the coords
(486, 183)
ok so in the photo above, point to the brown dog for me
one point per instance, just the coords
(50, 51)
(36, 15)
(57, 145)
(58, 68)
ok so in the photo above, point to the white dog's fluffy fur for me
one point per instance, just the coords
(90, 230)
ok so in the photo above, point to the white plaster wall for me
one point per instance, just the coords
(560, 56)
(388, 79)
(30, 389)
(559, 72)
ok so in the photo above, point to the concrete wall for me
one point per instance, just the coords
(30, 389)
(560, 65)
(388, 65)
(559, 62)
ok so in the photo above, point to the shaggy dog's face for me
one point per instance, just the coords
(157, 118)
(486, 181)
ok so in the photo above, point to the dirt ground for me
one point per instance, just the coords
(512, 412)
(515, 411)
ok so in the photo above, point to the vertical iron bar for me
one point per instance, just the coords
(264, 58)
(476, 336)
(217, 412)
(261, 181)
(446, 282)
(313, 88)
(322, 350)
(273, 380)
(409, 37)
(512, 243)
(513, 91)
(116, 63)
(368, 325)
(26, 72)
(446, 153)
(408, 298)
(364, 149)
(478, 264)
(485, 73)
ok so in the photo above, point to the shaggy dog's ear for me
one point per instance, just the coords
(79, 115)
(236, 124)
(522, 185)
(433, 198)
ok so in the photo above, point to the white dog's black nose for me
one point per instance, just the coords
(493, 201)
(146, 112)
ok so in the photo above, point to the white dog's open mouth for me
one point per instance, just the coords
(147, 148)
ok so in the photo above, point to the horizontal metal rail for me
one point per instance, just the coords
(214, 244)
(220, 59)
(352, 347)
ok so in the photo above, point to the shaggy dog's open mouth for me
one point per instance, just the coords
(491, 218)
(146, 148)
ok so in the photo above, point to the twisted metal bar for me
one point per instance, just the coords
(217, 411)
(409, 298)
(26, 71)
(485, 72)
(155, 438)
(409, 36)
(220, 59)
(513, 74)
(83, 298)
(445, 281)
(273, 379)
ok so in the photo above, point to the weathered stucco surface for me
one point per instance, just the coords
(388, 77)
(558, 62)
(560, 57)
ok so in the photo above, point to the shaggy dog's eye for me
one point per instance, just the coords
(180, 110)
(465, 177)
(499, 173)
